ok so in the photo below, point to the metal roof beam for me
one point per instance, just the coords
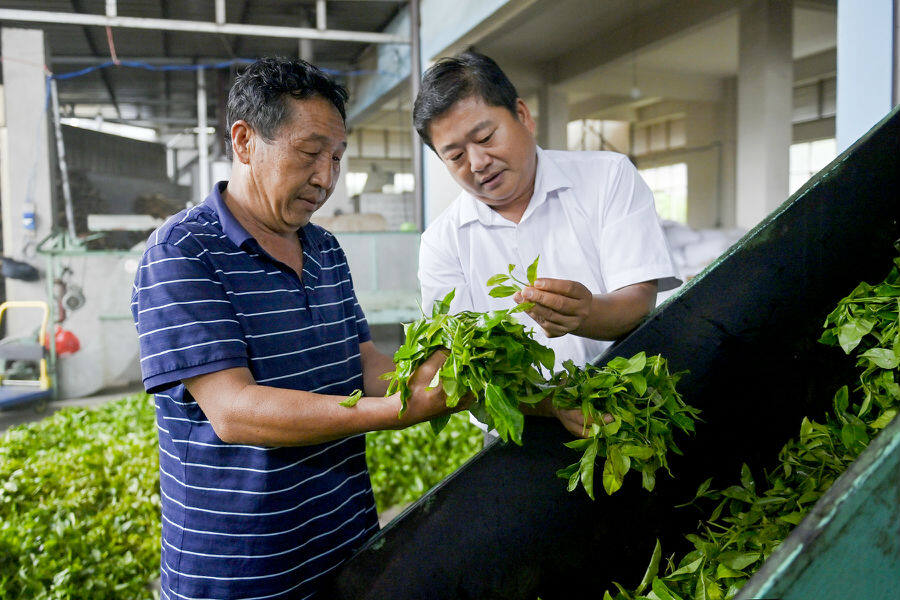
(39, 16)
(182, 97)
(150, 60)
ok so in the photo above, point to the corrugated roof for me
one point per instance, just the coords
(169, 98)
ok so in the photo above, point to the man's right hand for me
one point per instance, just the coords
(425, 402)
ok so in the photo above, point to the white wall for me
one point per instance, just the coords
(26, 168)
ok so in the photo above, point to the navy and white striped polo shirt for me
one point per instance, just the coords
(242, 521)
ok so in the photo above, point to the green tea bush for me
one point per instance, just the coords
(79, 504)
(405, 464)
(79, 496)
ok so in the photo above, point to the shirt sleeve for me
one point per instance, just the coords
(440, 272)
(633, 247)
(186, 324)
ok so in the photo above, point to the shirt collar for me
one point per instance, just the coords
(548, 178)
(231, 227)
(235, 232)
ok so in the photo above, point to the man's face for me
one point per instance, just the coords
(295, 173)
(489, 151)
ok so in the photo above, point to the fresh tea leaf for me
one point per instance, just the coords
(352, 399)
(532, 271)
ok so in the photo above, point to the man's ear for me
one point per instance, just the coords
(524, 115)
(242, 140)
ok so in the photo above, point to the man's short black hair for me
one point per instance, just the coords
(259, 92)
(456, 78)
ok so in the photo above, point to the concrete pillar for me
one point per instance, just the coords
(553, 118)
(866, 66)
(727, 127)
(764, 107)
(26, 168)
(703, 164)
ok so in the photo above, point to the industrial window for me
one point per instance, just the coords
(356, 183)
(592, 134)
(659, 135)
(815, 100)
(379, 180)
(808, 158)
(403, 182)
(669, 186)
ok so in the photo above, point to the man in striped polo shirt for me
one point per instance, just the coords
(250, 336)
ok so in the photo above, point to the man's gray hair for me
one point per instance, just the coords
(259, 92)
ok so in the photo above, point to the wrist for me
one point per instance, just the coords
(587, 328)
(379, 413)
(391, 406)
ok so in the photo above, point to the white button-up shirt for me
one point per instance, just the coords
(591, 219)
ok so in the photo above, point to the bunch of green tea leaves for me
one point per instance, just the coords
(493, 357)
(639, 394)
(746, 524)
(867, 322)
(490, 355)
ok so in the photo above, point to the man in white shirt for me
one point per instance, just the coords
(588, 215)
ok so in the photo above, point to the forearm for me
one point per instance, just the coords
(268, 416)
(243, 412)
(615, 314)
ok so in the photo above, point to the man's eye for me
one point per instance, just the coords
(486, 138)
(455, 157)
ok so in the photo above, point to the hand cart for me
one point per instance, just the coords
(24, 378)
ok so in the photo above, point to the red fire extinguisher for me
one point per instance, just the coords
(66, 341)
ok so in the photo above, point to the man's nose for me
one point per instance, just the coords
(479, 160)
(324, 172)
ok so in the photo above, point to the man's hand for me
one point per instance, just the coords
(560, 306)
(426, 402)
(573, 421)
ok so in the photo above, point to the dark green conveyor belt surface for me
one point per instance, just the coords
(746, 329)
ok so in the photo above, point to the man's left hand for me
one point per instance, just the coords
(573, 420)
(560, 306)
